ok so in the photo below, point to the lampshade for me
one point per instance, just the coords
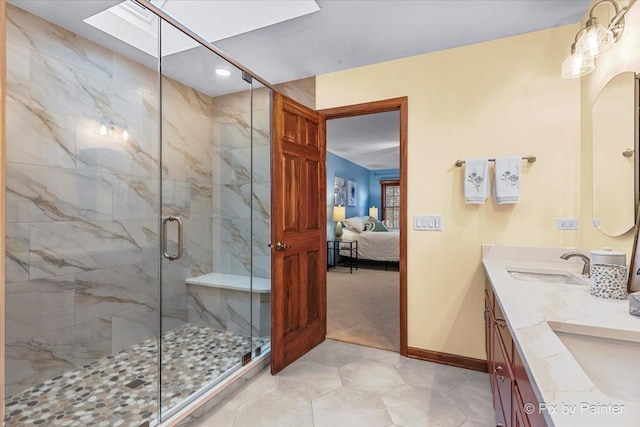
(373, 211)
(339, 213)
(576, 65)
(595, 39)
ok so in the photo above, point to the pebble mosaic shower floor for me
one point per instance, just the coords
(121, 389)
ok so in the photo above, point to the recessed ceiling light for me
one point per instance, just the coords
(223, 72)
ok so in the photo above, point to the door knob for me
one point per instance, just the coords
(280, 246)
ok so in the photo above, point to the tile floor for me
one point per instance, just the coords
(339, 384)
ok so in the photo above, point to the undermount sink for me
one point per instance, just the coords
(609, 357)
(548, 277)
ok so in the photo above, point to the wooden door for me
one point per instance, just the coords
(298, 231)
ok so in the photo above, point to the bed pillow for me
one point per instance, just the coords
(380, 227)
(369, 225)
(355, 223)
(372, 224)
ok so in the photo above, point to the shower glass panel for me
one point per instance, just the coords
(206, 184)
(83, 167)
(138, 217)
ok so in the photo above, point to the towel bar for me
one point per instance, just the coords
(530, 159)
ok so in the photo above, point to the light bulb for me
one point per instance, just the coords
(125, 135)
(103, 130)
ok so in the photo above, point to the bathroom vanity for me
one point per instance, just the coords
(557, 355)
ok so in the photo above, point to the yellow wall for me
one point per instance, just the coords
(503, 97)
(623, 56)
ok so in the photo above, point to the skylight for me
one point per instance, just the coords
(213, 20)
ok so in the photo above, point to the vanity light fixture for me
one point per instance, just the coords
(576, 65)
(592, 40)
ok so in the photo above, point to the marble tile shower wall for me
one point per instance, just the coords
(241, 182)
(82, 208)
(187, 191)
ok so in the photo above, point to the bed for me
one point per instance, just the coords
(375, 246)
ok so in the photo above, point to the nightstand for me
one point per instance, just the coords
(335, 246)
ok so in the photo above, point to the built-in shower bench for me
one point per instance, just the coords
(230, 302)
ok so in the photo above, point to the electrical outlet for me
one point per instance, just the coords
(427, 222)
(567, 223)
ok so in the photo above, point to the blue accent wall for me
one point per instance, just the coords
(374, 185)
(338, 166)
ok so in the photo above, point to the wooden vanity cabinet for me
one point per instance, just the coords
(525, 392)
(488, 328)
(510, 384)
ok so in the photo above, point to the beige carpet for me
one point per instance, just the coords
(363, 307)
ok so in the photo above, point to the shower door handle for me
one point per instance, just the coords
(165, 238)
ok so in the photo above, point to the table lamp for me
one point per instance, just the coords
(339, 216)
(373, 212)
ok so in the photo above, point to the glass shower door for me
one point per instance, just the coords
(82, 267)
(205, 224)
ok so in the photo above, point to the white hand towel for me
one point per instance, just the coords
(476, 180)
(507, 180)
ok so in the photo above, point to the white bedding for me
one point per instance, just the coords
(373, 245)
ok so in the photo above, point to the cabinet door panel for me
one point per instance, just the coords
(497, 405)
(502, 376)
(519, 418)
(488, 323)
(503, 329)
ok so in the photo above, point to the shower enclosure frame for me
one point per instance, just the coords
(146, 4)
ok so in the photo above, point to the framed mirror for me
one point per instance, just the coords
(615, 155)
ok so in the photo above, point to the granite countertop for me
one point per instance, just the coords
(557, 378)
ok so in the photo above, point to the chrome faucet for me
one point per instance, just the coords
(586, 268)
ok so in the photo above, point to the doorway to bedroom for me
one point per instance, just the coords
(366, 224)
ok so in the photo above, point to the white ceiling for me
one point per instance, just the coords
(341, 35)
(371, 141)
(350, 33)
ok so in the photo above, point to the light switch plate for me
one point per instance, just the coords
(427, 222)
(567, 223)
